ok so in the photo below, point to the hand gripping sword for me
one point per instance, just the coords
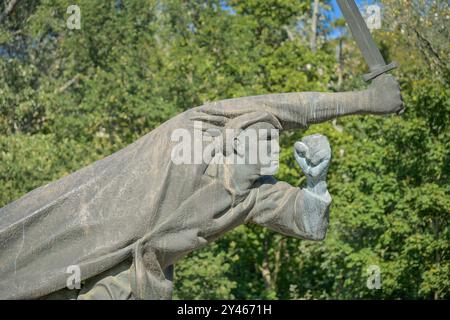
(364, 40)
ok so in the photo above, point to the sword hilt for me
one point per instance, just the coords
(379, 70)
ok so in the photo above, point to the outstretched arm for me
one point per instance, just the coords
(302, 213)
(300, 109)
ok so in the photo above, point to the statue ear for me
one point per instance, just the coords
(239, 146)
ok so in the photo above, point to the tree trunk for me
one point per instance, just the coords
(315, 16)
(341, 65)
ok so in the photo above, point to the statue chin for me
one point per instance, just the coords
(271, 169)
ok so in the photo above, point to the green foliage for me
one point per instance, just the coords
(70, 97)
(205, 275)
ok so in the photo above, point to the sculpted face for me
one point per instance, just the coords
(258, 146)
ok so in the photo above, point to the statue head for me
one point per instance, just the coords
(258, 146)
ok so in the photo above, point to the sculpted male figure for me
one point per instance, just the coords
(125, 220)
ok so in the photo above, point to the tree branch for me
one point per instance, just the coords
(9, 8)
(68, 83)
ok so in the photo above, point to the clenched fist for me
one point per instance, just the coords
(313, 155)
(386, 97)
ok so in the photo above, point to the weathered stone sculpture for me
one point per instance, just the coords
(125, 220)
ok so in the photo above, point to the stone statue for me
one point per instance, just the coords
(125, 220)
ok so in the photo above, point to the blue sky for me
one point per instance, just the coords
(335, 13)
